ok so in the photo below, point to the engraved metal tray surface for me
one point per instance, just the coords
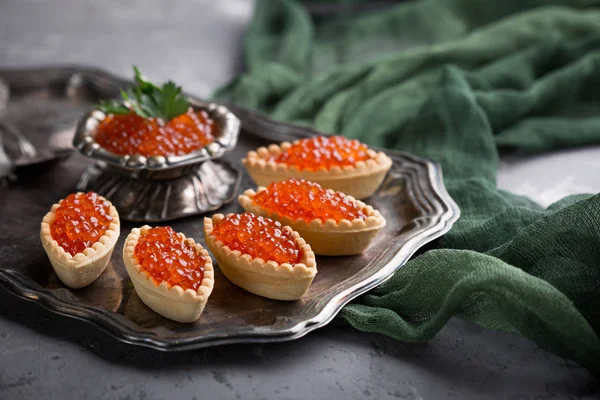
(46, 103)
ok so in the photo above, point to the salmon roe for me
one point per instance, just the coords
(259, 237)
(129, 134)
(81, 219)
(300, 199)
(323, 152)
(166, 257)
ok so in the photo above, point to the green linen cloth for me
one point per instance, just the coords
(457, 82)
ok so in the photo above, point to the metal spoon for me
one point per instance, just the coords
(28, 154)
(4, 95)
(6, 167)
(26, 148)
(6, 174)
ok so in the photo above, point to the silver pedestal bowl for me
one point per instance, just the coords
(161, 188)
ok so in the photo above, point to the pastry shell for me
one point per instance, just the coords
(326, 238)
(268, 279)
(83, 268)
(360, 180)
(170, 301)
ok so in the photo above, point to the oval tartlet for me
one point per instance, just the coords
(359, 180)
(80, 270)
(170, 301)
(264, 278)
(326, 238)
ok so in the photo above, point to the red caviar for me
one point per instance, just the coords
(163, 254)
(81, 219)
(259, 237)
(300, 199)
(129, 134)
(323, 152)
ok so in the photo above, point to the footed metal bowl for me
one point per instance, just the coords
(228, 130)
(161, 188)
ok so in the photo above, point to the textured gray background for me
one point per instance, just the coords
(197, 43)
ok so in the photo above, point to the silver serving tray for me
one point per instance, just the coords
(45, 105)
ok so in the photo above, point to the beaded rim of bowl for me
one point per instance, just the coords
(227, 136)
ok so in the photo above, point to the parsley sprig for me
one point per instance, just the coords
(148, 100)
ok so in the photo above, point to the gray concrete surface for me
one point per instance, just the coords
(197, 44)
(462, 362)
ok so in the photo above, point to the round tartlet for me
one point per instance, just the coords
(170, 301)
(80, 270)
(264, 278)
(359, 180)
(326, 238)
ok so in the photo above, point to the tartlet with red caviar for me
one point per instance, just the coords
(172, 274)
(260, 255)
(333, 223)
(79, 234)
(334, 162)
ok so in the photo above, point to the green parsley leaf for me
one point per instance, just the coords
(113, 107)
(148, 100)
(142, 82)
(171, 102)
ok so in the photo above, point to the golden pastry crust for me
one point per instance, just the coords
(264, 278)
(83, 268)
(170, 301)
(327, 238)
(360, 180)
